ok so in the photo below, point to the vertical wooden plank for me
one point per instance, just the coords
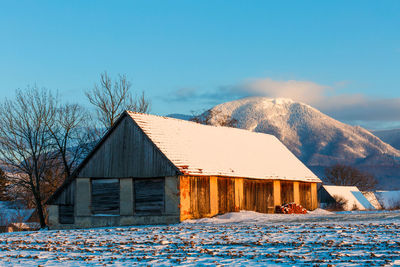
(203, 196)
(238, 194)
(184, 194)
(287, 192)
(277, 193)
(222, 194)
(194, 209)
(231, 194)
(214, 196)
(296, 193)
(270, 198)
(314, 198)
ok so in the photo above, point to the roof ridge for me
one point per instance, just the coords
(130, 113)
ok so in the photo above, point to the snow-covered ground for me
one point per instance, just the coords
(244, 238)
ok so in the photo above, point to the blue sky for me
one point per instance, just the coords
(342, 57)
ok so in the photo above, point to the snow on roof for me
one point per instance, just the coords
(350, 193)
(371, 196)
(197, 149)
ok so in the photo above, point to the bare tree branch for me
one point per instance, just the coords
(340, 174)
(110, 99)
(26, 144)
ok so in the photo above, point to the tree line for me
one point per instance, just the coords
(42, 139)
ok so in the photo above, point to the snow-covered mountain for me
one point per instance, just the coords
(314, 137)
(317, 139)
(391, 137)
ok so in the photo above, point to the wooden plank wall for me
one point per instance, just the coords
(105, 196)
(258, 195)
(67, 196)
(287, 193)
(149, 196)
(226, 195)
(200, 196)
(127, 152)
(66, 214)
(305, 196)
(234, 194)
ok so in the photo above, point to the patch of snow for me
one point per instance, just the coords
(332, 239)
(258, 218)
(320, 212)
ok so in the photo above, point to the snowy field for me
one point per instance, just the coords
(245, 238)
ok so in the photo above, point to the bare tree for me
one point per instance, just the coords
(340, 174)
(215, 117)
(26, 144)
(70, 135)
(111, 98)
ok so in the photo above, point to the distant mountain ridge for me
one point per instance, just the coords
(180, 116)
(315, 138)
(391, 137)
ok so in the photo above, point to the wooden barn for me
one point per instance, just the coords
(155, 170)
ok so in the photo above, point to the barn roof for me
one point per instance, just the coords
(351, 194)
(197, 149)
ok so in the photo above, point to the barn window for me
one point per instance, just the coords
(105, 196)
(149, 196)
(66, 214)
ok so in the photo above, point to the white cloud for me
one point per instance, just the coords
(352, 108)
(303, 91)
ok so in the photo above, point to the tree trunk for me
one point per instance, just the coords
(39, 209)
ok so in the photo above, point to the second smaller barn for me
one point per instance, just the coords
(343, 197)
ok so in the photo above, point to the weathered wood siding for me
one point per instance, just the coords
(105, 196)
(305, 196)
(127, 152)
(67, 196)
(66, 214)
(226, 195)
(234, 194)
(194, 197)
(287, 192)
(149, 196)
(258, 195)
(200, 196)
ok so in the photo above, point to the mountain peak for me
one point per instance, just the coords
(314, 137)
